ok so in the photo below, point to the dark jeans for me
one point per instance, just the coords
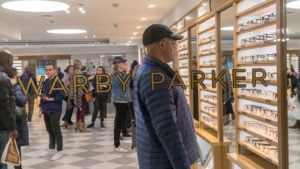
(130, 116)
(69, 111)
(120, 121)
(30, 105)
(53, 128)
(99, 105)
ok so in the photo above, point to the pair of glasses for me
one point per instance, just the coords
(210, 97)
(263, 146)
(209, 120)
(256, 21)
(259, 57)
(184, 63)
(183, 45)
(207, 38)
(208, 50)
(211, 109)
(271, 132)
(258, 39)
(261, 111)
(209, 62)
(269, 75)
(259, 93)
(183, 55)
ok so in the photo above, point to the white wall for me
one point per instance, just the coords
(179, 11)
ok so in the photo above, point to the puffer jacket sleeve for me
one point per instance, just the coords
(21, 98)
(162, 109)
(7, 118)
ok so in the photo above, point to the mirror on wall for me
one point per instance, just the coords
(226, 60)
(193, 63)
(293, 82)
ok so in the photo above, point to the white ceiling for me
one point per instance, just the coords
(98, 20)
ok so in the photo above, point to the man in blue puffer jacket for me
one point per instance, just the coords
(164, 125)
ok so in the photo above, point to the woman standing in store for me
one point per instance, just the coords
(70, 106)
(78, 97)
(21, 115)
(100, 97)
(120, 99)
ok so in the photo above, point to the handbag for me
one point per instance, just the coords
(88, 97)
(11, 154)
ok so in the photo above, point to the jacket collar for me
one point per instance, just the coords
(2, 69)
(155, 62)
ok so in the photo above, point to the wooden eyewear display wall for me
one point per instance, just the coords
(261, 123)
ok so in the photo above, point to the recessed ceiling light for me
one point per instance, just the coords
(287, 39)
(35, 6)
(94, 36)
(67, 11)
(294, 4)
(135, 33)
(130, 41)
(188, 18)
(138, 27)
(85, 37)
(151, 6)
(227, 28)
(131, 38)
(143, 19)
(66, 31)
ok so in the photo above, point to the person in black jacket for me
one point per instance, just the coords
(7, 103)
(100, 98)
(21, 115)
(51, 107)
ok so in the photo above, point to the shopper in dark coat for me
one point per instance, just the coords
(165, 131)
(8, 127)
(21, 115)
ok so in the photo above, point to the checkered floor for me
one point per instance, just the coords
(81, 150)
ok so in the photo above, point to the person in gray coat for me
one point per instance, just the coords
(165, 131)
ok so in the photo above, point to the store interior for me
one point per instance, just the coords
(254, 132)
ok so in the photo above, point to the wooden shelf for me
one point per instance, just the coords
(256, 27)
(257, 152)
(260, 100)
(208, 113)
(207, 66)
(259, 118)
(258, 63)
(183, 58)
(258, 135)
(209, 102)
(201, 54)
(182, 49)
(207, 136)
(183, 67)
(208, 42)
(256, 8)
(206, 30)
(250, 161)
(208, 125)
(258, 45)
(269, 82)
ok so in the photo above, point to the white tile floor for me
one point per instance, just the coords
(81, 150)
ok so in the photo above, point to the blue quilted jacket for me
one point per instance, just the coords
(164, 125)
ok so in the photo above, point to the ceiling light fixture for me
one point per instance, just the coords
(131, 38)
(94, 36)
(138, 27)
(151, 6)
(66, 31)
(80, 8)
(135, 33)
(85, 37)
(143, 19)
(227, 28)
(35, 6)
(188, 18)
(293, 5)
(67, 11)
